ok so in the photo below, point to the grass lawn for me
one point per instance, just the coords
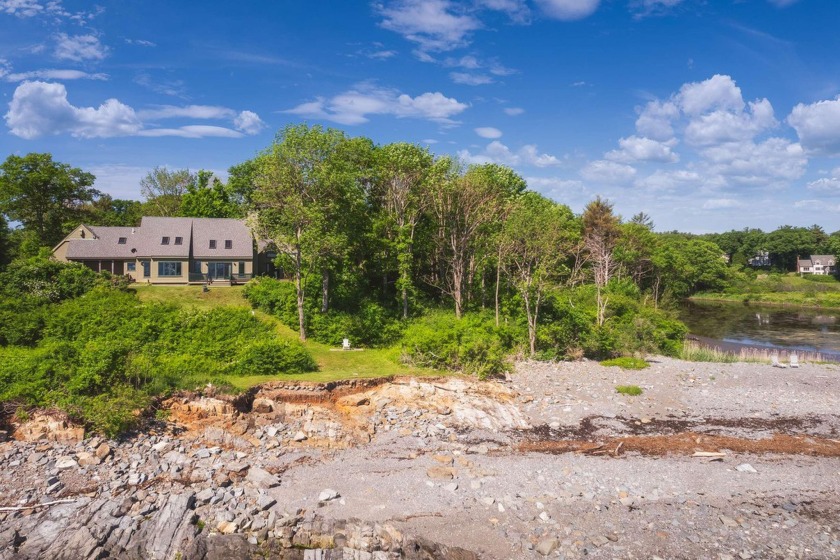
(783, 290)
(333, 364)
(192, 296)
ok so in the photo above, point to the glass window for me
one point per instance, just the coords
(179, 241)
(228, 244)
(164, 241)
(131, 267)
(169, 268)
(146, 268)
(241, 268)
(212, 243)
(122, 240)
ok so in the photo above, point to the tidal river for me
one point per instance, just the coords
(782, 328)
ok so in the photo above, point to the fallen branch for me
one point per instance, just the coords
(36, 506)
(708, 454)
(617, 449)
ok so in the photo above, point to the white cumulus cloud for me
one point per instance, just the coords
(79, 47)
(21, 8)
(470, 79)
(635, 148)
(41, 109)
(488, 132)
(818, 126)
(826, 185)
(609, 172)
(568, 10)
(248, 122)
(435, 25)
(356, 105)
(497, 152)
(514, 111)
(52, 74)
(724, 137)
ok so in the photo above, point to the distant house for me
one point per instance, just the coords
(817, 264)
(168, 250)
(761, 259)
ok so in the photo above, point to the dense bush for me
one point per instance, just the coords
(368, 323)
(104, 355)
(44, 280)
(631, 327)
(27, 288)
(273, 356)
(472, 344)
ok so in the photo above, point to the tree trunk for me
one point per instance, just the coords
(498, 278)
(457, 281)
(405, 302)
(532, 327)
(299, 286)
(325, 290)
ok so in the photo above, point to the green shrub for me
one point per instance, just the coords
(21, 322)
(472, 344)
(104, 355)
(368, 323)
(632, 390)
(46, 280)
(626, 363)
(269, 357)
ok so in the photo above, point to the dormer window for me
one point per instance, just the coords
(122, 241)
(228, 244)
(212, 243)
(179, 241)
(164, 241)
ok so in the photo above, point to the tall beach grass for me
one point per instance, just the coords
(696, 352)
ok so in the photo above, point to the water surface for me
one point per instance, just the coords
(783, 328)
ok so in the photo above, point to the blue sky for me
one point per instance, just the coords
(706, 114)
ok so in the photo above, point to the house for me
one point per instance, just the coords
(167, 250)
(817, 264)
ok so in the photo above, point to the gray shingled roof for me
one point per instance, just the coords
(146, 240)
(106, 244)
(153, 229)
(221, 230)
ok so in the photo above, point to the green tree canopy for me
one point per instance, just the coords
(208, 197)
(46, 196)
(164, 190)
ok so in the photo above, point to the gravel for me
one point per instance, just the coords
(439, 466)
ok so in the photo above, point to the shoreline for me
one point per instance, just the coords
(758, 303)
(552, 462)
(736, 348)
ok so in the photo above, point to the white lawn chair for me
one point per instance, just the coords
(774, 361)
(794, 360)
(345, 344)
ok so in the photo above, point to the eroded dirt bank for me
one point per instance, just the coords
(712, 461)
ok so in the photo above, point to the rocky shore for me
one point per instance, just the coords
(711, 461)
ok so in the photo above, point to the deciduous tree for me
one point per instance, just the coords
(46, 196)
(164, 189)
(538, 237)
